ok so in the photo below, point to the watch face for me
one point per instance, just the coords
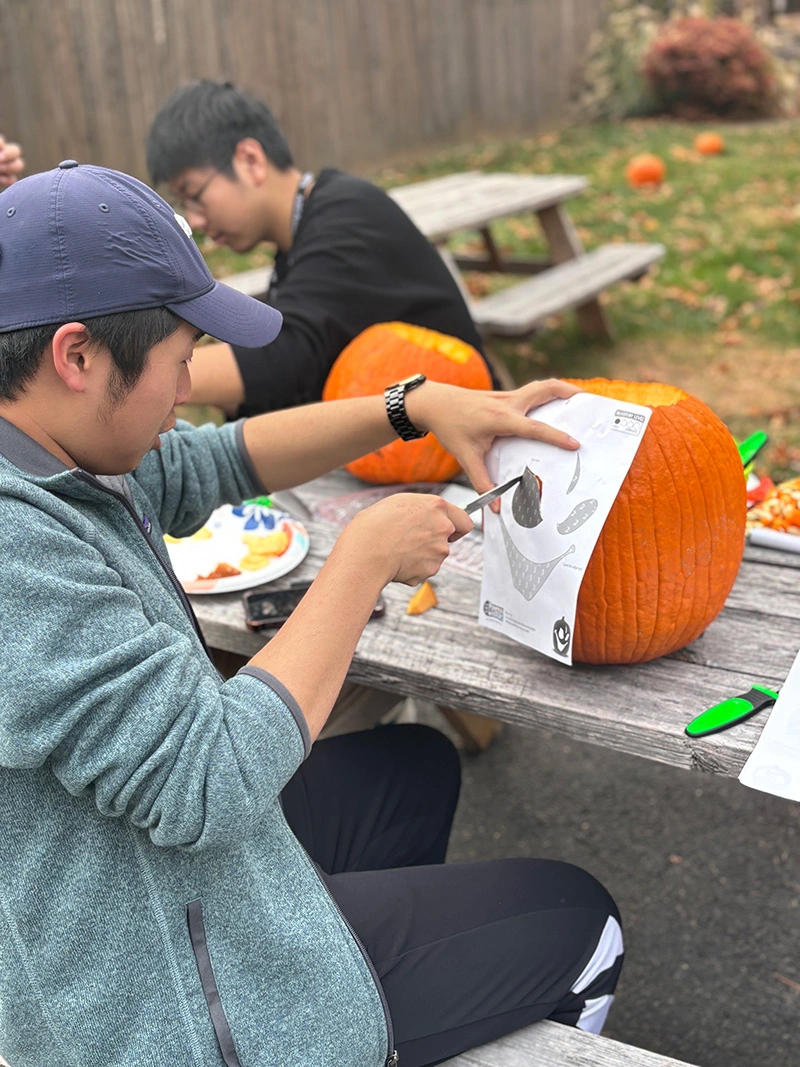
(413, 381)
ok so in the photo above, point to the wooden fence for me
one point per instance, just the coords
(353, 82)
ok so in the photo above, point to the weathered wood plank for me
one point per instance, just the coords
(520, 307)
(548, 1044)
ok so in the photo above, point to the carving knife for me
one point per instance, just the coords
(493, 494)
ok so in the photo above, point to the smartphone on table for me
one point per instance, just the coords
(268, 609)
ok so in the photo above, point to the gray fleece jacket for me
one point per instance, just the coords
(155, 908)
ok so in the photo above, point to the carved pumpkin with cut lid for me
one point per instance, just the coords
(387, 353)
(670, 549)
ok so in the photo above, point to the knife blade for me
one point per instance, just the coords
(493, 494)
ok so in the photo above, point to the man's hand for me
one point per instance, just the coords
(467, 421)
(406, 537)
(11, 162)
(403, 539)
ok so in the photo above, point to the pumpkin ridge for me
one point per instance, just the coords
(690, 590)
(715, 595)
(661, 588)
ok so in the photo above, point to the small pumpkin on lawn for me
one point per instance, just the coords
(709, 143)
(670, 549)
(646, 169)
(387, 353)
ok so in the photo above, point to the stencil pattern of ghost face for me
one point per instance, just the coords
(526, 504)
(580, 514)
(527, 575)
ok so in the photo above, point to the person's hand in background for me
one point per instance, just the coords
(11, 162)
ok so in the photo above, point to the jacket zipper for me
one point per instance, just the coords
(84, 476)
(393, 1057)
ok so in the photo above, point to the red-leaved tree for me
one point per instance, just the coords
(698, 67)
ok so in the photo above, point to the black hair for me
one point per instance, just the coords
(128, 335)
(202, 123)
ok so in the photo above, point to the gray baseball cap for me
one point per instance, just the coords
(81, 241)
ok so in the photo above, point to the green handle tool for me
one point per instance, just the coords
(751, 446)
(731, 711)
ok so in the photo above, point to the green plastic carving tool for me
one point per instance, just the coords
(751, 446)
(731, 711)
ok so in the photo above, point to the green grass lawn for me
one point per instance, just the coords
(720, 315)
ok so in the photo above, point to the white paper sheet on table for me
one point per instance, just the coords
(531, 577)
(774, 764)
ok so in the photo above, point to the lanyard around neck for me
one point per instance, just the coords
(300, 200)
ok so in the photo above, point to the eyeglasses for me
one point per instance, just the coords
(193, 202)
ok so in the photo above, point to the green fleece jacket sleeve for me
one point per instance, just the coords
(195, 471)
(114, 695)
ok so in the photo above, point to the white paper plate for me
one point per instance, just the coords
(234, 537)
(767, 538)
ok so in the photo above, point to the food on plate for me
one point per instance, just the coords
(779, 510)
(264, 547)
(422, 600)
(203, 534)
(222, 570)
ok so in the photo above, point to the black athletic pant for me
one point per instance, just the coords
(465, 952)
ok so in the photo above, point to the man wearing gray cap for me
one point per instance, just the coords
(183, 881)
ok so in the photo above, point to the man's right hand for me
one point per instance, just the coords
(407, 536)
(11, 162)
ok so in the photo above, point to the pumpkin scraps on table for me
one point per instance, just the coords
(423, 600)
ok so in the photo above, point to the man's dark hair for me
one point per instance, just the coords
(202, 123)
(129, 336)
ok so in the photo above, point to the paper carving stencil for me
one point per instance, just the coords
(537, 549)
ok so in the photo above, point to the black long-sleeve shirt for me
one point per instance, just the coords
(357, 259)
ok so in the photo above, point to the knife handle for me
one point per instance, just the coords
(731, 711)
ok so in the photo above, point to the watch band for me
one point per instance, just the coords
(395, 398)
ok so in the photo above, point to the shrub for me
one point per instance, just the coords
(698, 67)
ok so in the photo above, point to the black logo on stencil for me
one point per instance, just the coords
(561, 637)
(494, 611)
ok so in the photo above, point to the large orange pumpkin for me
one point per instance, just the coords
(671, 546)
(646, 169)
(386, 353)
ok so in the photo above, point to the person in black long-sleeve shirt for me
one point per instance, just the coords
(348, 256)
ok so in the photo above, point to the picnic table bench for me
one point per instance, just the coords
(568, 278)
(548, 1044)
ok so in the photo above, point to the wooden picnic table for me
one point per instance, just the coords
(445, 657)
(567, 277)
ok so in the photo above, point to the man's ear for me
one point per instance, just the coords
(74, 355)
(250, 161)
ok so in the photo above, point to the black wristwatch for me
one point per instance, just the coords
(395, 397)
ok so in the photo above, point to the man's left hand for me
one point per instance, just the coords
(467, 421)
